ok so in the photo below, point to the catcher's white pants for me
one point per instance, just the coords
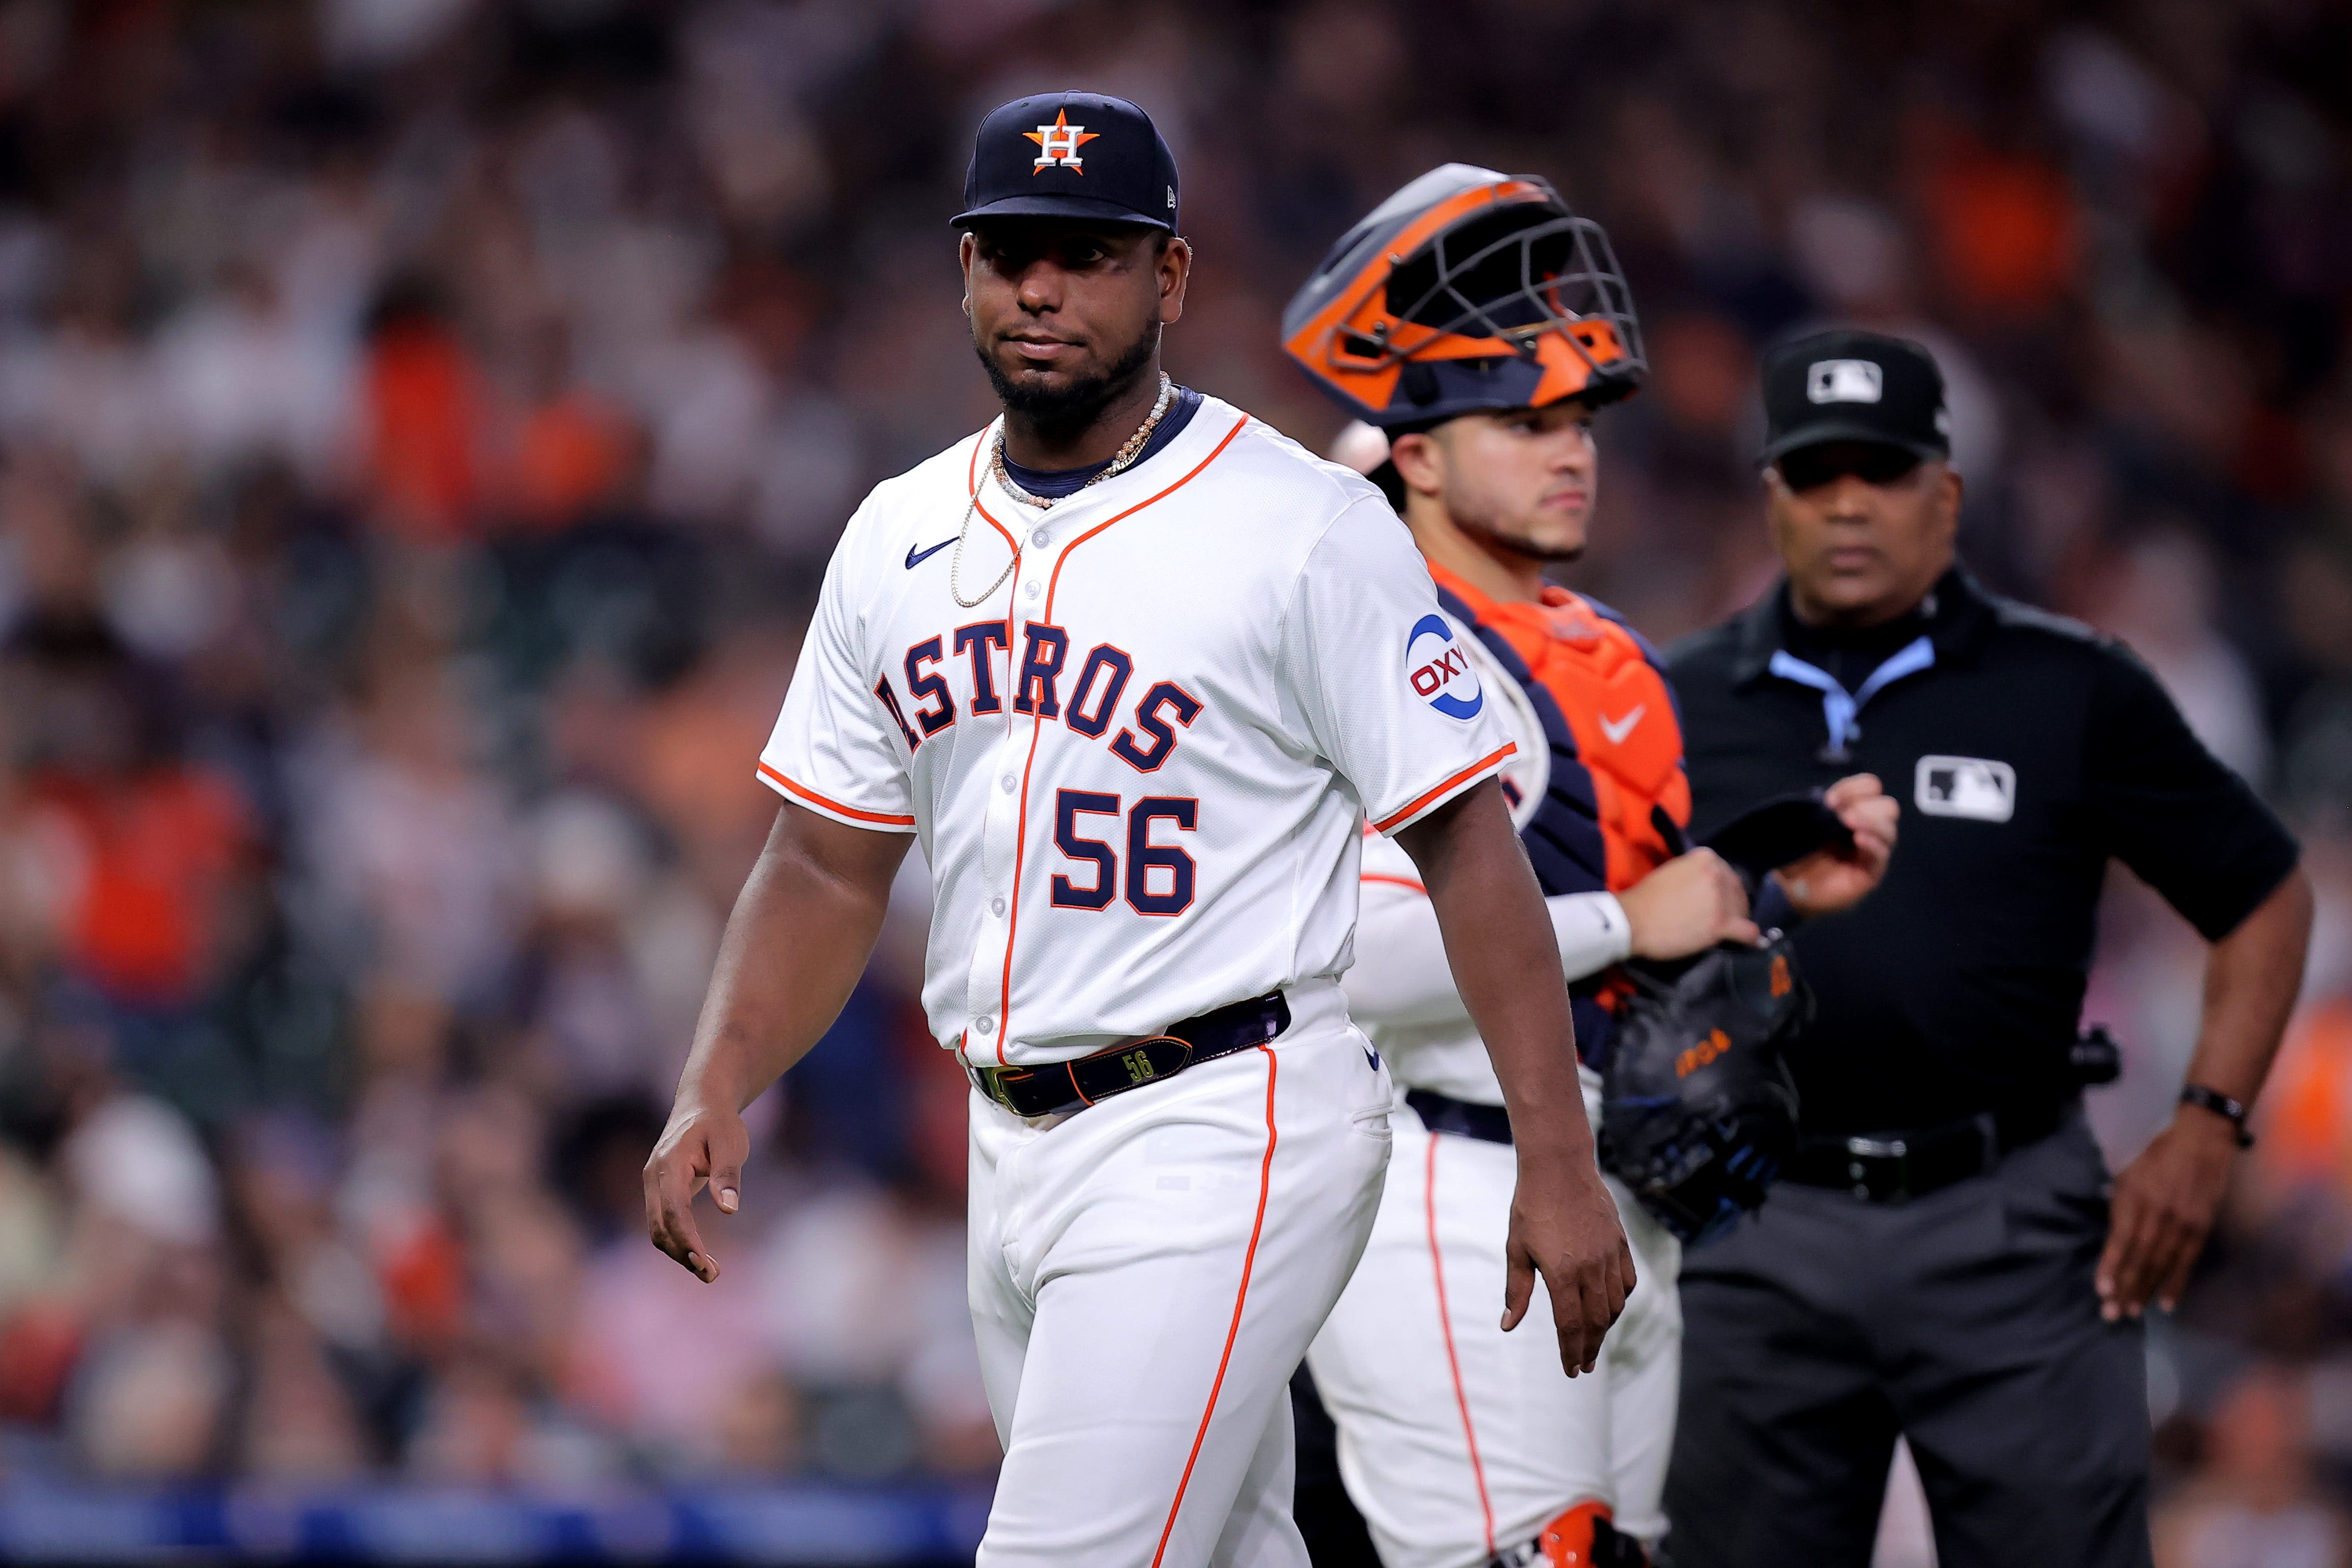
(1146, 1274)
(1458, 1440)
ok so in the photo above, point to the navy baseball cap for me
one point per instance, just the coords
(1070, 155)
(1851, 385)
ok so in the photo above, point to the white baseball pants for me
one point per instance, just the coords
(1458, 1440)
(1145, 1276)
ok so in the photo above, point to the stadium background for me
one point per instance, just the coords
(423, 423)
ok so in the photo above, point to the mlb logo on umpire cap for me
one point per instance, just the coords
(1070, 155)
(1845, 380)
(1851, 385)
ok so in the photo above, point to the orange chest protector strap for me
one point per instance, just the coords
(1617, 799)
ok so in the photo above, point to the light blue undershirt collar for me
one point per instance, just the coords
(1840, 707)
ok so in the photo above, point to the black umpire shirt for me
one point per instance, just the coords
(2025, 750)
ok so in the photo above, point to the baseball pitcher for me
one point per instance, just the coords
(1137, 672)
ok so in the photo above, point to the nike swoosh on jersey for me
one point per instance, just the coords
(1617, 730)
(914, 559)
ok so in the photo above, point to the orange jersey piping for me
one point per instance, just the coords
(1453, 1362)
(1240, 1298)
(805, 793)
(1385, 824)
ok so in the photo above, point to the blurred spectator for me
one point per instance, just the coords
(424, 417)
(410, 841)
(2316, 769)
(2161, 601)
(2253, 1502)
(570, 449)
(150, 1391)
(298, 1421)
(239, 378)
(2003, 222)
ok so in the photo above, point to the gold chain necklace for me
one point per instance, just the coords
(1125, 456)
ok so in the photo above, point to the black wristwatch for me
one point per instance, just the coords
(2230, 1111)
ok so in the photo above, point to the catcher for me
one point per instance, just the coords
(1477, 326)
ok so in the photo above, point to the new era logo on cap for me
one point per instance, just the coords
(1845, 380)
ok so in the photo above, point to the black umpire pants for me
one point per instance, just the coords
(1966, 1322)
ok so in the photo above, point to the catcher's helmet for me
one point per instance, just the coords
(1467, 289)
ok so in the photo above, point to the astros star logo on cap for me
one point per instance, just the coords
(1058, 143)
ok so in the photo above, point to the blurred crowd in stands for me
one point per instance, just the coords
(423, 423)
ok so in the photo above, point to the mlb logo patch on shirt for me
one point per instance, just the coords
(1976, 788)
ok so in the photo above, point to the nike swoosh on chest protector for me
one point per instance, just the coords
(1618, 729)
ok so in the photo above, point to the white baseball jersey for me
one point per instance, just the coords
(1139, 768)
(1401, 990)
(1458, 1442)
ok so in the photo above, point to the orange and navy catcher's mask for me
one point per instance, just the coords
(1467, 289)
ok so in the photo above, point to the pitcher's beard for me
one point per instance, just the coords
(1063, 411)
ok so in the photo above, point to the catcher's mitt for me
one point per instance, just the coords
(1697, 1106)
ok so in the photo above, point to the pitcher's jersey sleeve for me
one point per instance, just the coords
(1385, 692)
(836, 749)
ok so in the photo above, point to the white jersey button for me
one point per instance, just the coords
(1041, 536)
(1006, 783)
(1033, 590)
(986, 1026)
(996, 907)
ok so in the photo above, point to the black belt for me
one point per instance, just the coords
(1889, 1167)
(1042, 1091)
(1444, 1113)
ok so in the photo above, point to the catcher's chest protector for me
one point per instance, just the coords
(1616, 743)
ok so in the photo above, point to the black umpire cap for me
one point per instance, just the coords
(1849, 385)
(1070, 155)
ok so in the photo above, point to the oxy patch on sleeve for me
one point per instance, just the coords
(1441, 672)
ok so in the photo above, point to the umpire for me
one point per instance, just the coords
(1945, 1257)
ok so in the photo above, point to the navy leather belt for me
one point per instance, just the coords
(1444, 1113)
(1042, 1091)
